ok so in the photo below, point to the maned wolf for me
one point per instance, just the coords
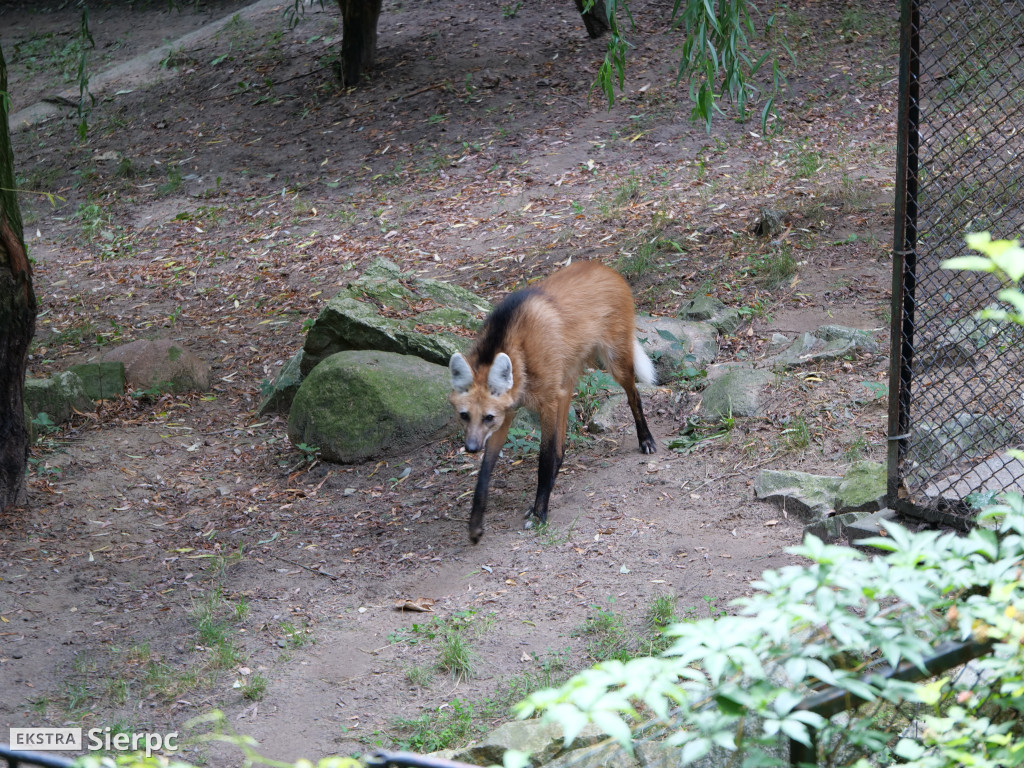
(530, 353)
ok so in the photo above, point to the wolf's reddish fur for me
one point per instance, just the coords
(530, 353)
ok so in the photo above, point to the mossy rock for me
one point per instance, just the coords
(357, 405)
(346, 323)
(863, 488)
(58, 397)
(735, 390)
(102, 381)
(352, 319)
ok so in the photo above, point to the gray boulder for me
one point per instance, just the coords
(966, 434)
(357, 405)
(161, 365)
(835, 526)
(829, 342)
(735, 390)
(601, 756)
(604, 419)
(346, 323)
(687, 344)
(958, 342)
(58, 397)
(707, 309)
(828, 505)
(543, 740)
(809, 497)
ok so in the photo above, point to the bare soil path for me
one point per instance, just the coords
(178, 554)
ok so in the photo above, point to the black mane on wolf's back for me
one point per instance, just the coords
(497, 324)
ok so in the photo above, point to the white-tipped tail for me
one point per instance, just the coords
(642, 365)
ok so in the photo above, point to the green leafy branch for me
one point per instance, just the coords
(717, 48)
(1005, 260)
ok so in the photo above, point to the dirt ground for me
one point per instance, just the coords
(179, 555)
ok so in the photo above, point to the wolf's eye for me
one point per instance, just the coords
(488, 418)
(464, 415)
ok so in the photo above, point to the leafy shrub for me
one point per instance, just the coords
(729, 689)
(733, 684)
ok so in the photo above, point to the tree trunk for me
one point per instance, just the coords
(17, 321)
(358, 38)
(596, 19)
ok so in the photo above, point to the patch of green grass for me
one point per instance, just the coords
(214, 630)
(217, 563)
(418, 633)
(806, 162)
(630, 191)
(451, 725)
(57, 54)
(607, 637)
(714, 610)
(552, 670)
(642, 261)
(296, 637)
(92, 220)
(211, 630)
(227, 655)
(551, 535)
(853, 194)
(40, 705)
(255, 688)
(125, 168)
(117, 690)
(172, 182)
(854, 23)
(649, 249)
(661, 614)
(797, 436)
(455, 655)
(592, 387)
(77, 698)
(241, 609)
(421, 677)
(457, 722)
(41, 179)
(772, 269)
(856, 450)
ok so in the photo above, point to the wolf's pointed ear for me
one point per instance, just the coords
(462, 374)
(500, 377)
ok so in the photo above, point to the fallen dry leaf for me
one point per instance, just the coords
(420, 604)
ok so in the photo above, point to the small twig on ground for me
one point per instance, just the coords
(727, 475)
(320, 571)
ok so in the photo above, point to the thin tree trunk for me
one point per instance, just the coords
(596, 19)
(358, 38)
(17, 321)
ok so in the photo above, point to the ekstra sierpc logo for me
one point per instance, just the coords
(70, 740)
(46, 739)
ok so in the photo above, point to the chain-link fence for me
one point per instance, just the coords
(957, 382)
